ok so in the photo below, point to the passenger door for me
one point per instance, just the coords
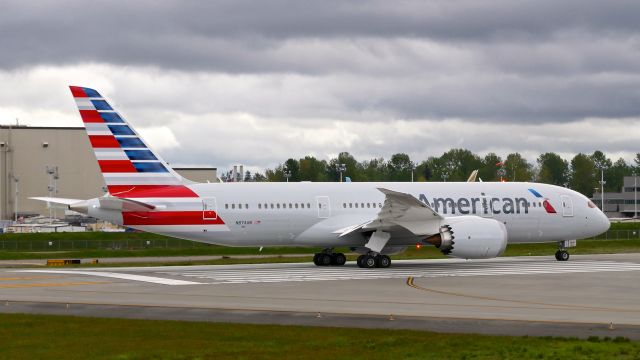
(209, 209)
(324, 207)
(567, 205)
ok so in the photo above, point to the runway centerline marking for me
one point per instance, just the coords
(143, 278)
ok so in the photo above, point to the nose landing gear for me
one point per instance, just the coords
(562, 254)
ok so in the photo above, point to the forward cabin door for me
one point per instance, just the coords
(209, 208)
(567, 205)
(324, 207)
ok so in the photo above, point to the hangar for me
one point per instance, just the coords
(54, 161)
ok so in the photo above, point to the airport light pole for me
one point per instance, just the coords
(635, 195)
(15, 210)
(287, 174)
(602, 182)
(413, 168)
(445, 176)
(342, 168)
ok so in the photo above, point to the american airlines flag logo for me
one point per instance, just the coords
(545, 202)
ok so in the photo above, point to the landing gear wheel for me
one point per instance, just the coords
(369, 261)
(383, 261)
(360, 261)
(562, 255)
(338, 259)
(324, 259)
(315, 259)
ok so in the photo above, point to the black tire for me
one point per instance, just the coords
(338, 259)
(324, 259)
(558, 255)
(360, 261)
(315, 259)
(384, 261)
(369, 262)
(564, 255)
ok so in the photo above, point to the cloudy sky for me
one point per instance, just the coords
(255, 82)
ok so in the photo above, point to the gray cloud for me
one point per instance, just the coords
(371, 77)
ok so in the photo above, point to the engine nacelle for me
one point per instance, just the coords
(470, 237)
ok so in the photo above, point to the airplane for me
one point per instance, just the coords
(470, 220)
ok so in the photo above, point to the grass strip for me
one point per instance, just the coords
(66, 337)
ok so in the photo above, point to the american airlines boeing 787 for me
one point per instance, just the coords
(469, 220)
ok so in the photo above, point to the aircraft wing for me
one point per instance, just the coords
(403, 210)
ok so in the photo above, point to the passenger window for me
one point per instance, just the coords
(308, 206)
(296, 205)
(344, 205)
(380, 205)
(278, 205)
(272, 205)
(350, 205)
(368, 205)
(233, 206)
(356, 205)
(226, 206)
(259, 206)
(246, 206)
(362, 205)
(290, 206)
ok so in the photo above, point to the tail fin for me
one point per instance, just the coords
(129, 167)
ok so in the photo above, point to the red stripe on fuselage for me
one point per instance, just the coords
(77, 91)
(167, 218)
(151, 191)
(104, 141)
(116, 166)
(91, 116)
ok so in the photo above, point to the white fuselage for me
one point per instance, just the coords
(311, 214)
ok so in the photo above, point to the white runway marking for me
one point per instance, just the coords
(308, 273)
(143, 278)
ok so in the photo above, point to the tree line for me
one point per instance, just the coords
(581, 173)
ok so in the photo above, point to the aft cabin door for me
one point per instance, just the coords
(209, 209)
(324, 208)
(567, 205)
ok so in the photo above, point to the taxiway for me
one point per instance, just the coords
(588, 295)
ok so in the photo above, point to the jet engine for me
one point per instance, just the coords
(470, 237)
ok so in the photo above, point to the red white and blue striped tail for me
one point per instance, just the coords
(129, 166)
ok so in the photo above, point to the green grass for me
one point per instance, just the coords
(65, 337)
(103, 245)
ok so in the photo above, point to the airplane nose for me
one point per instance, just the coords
(601, 223)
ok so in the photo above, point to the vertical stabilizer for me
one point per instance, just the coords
(129, 166)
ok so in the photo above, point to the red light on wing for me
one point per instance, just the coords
(547, 206)
(418, 246)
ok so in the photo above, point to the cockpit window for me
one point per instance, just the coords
(591, 204)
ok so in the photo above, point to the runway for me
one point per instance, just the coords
(588, 295)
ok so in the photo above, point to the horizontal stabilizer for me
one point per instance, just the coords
(57, 202)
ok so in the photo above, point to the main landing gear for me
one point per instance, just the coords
(372, 261)
(328, 258)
